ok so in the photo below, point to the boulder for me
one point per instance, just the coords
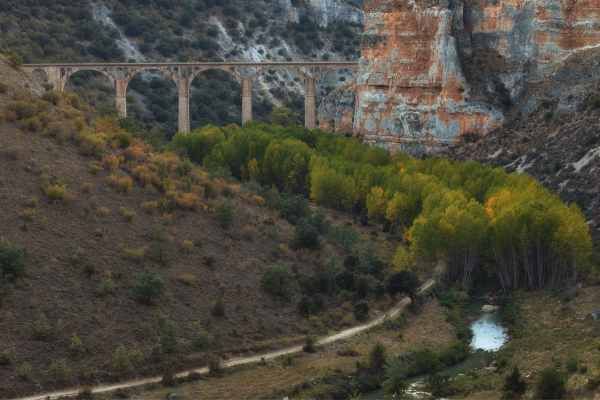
(489, 308)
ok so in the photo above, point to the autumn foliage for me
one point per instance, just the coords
(464, 213)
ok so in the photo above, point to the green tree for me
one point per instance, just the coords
(551, 385)
(278, 281)
(514, 385)
(284, 116)
(286, 165)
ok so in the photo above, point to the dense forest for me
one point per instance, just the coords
(481, 220)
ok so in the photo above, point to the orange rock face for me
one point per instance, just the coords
(432, 71)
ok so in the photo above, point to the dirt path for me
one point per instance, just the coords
(235, 362)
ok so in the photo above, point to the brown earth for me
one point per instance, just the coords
(97, 236)
(427, 329)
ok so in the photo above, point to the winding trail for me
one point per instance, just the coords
(235, 362)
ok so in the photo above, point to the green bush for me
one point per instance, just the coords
(293, 208)
(148, 287)
(167, 337)
(286, 164)
(309, 345)
(344, 236)
(12, 261)
(218, 309)
(405, 282)
(306, 236)
(278, 281)
(225, 215)
(377, 358)
(198, 144)
(361, 311)
(514, 385)
(551, 385)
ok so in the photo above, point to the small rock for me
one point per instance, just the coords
(595, 315)
(489, 308)
(174, 396)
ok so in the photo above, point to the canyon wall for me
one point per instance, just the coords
(435, 70)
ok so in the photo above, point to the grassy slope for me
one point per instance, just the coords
(550, 333)
(427, 329)
(74, 245)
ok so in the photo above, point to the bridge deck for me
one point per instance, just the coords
(206, 64)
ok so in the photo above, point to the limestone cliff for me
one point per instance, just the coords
(434, 70)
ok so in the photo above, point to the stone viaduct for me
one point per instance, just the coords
(183, 74)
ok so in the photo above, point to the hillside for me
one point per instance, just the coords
(558, 141)
(135, 260)
(257, 30)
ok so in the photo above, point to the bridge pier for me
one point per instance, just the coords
(121, 97)
(246, 100)
(310, 103)
(56, 78)
(184, 86)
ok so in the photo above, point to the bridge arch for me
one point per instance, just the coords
(157, 86)
(103, 81)
(215, 95)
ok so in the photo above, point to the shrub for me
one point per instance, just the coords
(12, 261)
(202, 341)
(218, 309)
(187, 201)
(225, 214)
(403, 282)
(56, 192)
(440, 386)
(127, 213)
(106, 286)
(125, 360)
(167, 337)
(345, 237)
(572, 365)
(122, 184)
(361, 311)
(148, 288)
(51, 97)
(309, 305)
(551, 385)
(395, 384)
(309, 345)
(23, 109)
(278, 281)
(306, 236)
(377, 358)
(76, 346)
(60, 372)
(514, 385)
(92, 144)
(136, 255)
(5, 358)
(292, 207)
(24, 371)
(42, 329)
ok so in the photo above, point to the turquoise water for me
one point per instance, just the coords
(488, 333)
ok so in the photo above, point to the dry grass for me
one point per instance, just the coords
(263, 381)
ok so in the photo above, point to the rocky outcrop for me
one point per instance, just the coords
(435, 70)
(323, 12)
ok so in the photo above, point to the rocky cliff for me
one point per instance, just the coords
(435, 70)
